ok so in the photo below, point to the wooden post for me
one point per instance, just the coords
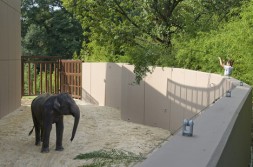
(22, 76)
(35, 74)
(41, 78)
(46, 88)
(50, 83)
(29, 80)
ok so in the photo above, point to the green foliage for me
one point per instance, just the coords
(35, 81)
(110, 158)
(147, 54)
(35, 41)
(180, 33)
(231, 40)
(115, 28)
(48, 29)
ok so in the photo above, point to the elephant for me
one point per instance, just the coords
(49, 109)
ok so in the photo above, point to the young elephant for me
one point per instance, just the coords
(48, 109)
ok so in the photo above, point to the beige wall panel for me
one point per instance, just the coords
(203, 79)
(113, 85)
(176, 93)
(11, 34)
(226, 85)
(203, 84)
(190, 78)
(18, 85)
(14, 4)
(132, 97)
(14, 84)
(216, 86)
(10, 52)
(202, 99)
(212, 92)
(157, 108)
(98, 73)
(15, 37)
(4, 39)
(190, 84)
(86, 84)
(4, 88)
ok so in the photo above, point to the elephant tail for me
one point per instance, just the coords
(31, 131)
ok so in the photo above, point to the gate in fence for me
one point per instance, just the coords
(71, 77)
(48, 74)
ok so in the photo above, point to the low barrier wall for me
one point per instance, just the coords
(163, 99)
(222, 133)
(221, 136)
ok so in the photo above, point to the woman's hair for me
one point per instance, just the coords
(230, 61)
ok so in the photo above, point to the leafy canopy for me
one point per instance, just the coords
(49, 29)
(137, 28)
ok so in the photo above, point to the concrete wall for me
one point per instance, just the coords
(10, 56)
(237, 151)
(221, 136)
(163, 99)
(222, 133)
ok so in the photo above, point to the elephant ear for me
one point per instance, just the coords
(56, 105)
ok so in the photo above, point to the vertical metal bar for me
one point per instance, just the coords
(73, 78)
(22, 76)
(61, 75)
(58, 76)
(29, 80)
(35, 74)
(76, 78)
(64, 79)
(80, 80)
(50, 83)
(41, 77)
(46, 88)
(55, 77)
(68, 79)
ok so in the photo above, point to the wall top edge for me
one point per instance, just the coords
(170, 68)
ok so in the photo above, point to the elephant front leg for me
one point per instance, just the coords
(59, 134)
(46, 136)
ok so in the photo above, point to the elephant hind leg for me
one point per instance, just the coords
(37, 133)
(37, 129)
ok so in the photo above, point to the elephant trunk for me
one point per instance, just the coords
(77, 117)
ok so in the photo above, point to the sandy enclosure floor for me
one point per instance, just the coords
(99, 128)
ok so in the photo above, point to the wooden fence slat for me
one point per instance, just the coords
(46, 88)
(35, 83)
(29, 79)
(41, 78)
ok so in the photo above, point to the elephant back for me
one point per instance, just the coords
(38, 102)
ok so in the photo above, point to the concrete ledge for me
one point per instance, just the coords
(221, 136)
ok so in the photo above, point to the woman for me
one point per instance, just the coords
(228, 67)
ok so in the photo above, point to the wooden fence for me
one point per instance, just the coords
(48, 74)
(71, 77)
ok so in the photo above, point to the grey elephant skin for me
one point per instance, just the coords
(49, 109)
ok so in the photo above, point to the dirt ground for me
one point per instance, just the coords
(99, 128)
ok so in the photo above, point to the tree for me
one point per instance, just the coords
(49, 29)
(131, 27)
(232, 40)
